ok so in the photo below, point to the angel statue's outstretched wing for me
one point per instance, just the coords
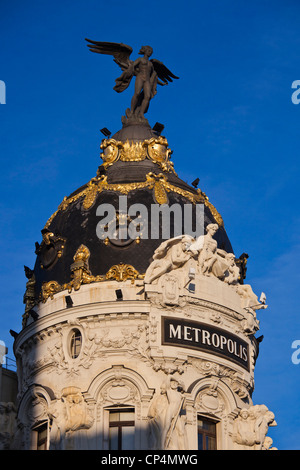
(121, 53)
(162, 71)
(148, 74)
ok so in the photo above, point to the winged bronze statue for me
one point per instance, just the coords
(148, 73)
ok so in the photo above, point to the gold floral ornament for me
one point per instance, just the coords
(81, 274)
(132, 151)
(156, 150)
(122, 272)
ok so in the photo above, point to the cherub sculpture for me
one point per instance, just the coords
(148, 73)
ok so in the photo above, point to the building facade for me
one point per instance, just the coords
(8, 401)
(133, 341)
(139, 330)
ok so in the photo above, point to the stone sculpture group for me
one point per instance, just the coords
(203, 257)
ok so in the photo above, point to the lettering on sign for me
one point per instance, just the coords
(195, 335)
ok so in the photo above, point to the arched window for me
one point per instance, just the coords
(75, 343)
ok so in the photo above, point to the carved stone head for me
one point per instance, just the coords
(146, 50)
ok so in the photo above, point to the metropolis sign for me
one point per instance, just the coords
(195, 335)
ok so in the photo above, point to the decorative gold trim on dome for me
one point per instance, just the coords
(131, 151)
(158, 183)
(49, 289)
(90, 195)
(156, 150)
(122, 272)
(159, 193)
(81, 274)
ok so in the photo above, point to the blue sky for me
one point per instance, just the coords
(229, 120)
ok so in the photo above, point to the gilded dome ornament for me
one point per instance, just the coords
(100, 183)
(122, 272)
(156, 150)
(81, 274)
(51, 248)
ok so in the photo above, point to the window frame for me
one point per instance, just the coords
(73, 346)
(36, 430)
(206, 433)
(120, 424)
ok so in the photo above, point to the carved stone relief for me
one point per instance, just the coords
(119, 391)
(208, 259)
(70, 417)
(234, 378)
(251, 426)
(170, 255)
(182, 261)
(170, 293)
(210, 401)
(96, 342)
(166, 418)
(119, 386)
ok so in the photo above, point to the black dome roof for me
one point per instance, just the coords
(144, 181)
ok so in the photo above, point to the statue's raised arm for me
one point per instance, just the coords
(148, 73)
